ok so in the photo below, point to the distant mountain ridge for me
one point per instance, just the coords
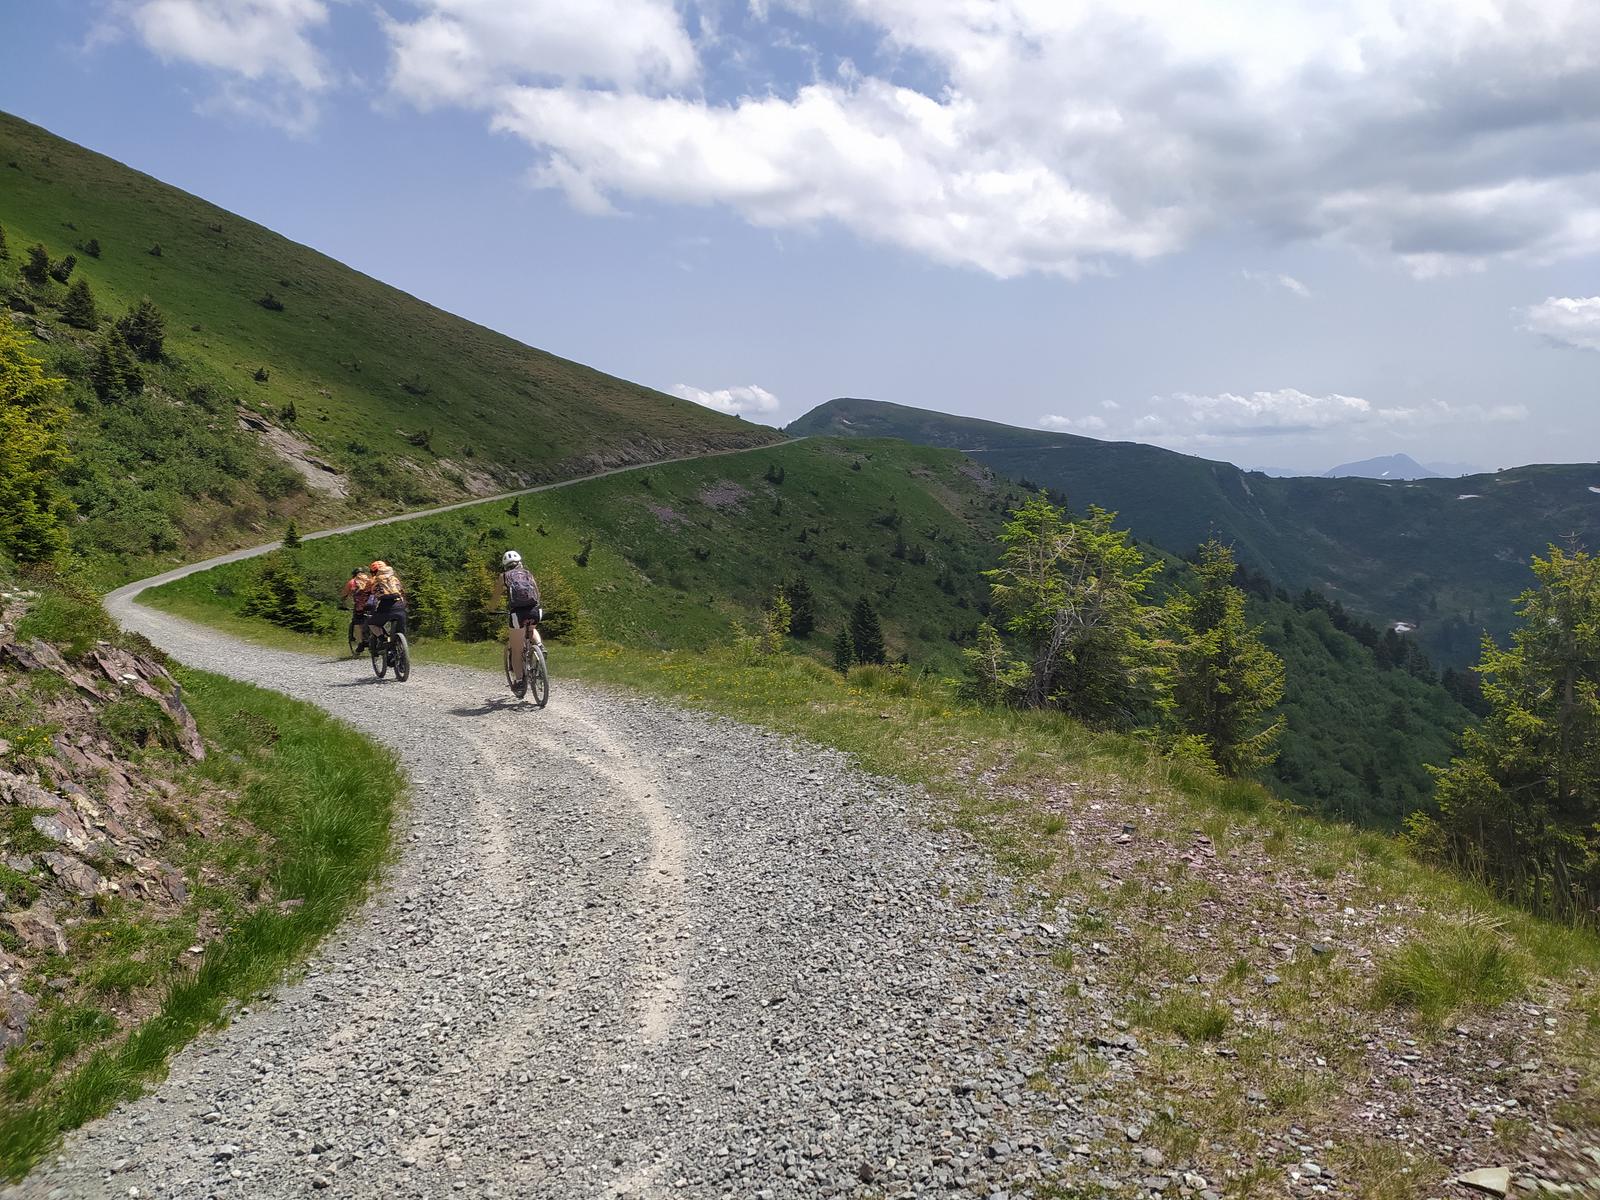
(1388, 466)
(1443, 555)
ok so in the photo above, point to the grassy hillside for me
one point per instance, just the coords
(1414, 552)
(404, 402)
(681, 554)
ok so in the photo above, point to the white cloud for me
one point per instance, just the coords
(1573, 322)
(1089, 424)
(742, 400)
(262, 50)
(1287, 282)
(465, 51)
(1041, 135)
(1186, 419)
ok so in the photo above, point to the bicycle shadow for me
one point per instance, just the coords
(492, 705)
(369, 681)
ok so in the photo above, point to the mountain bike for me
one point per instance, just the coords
(535, 672)
(390, 649)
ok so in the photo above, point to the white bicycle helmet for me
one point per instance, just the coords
(511, 559)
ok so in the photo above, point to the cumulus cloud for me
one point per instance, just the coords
(1186, 419)
(1571, 322)
(1089, 424)
(467, 51)
(1015, 136)
(741, 400)
(1069, 137)
(262, 51)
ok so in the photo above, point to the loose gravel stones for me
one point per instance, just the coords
(625, 951)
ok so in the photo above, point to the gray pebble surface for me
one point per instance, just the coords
(624, 950)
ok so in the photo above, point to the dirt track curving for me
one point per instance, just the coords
(625, 950)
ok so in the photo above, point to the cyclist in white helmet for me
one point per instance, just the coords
(521, 591)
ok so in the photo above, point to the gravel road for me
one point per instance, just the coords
(626, 950)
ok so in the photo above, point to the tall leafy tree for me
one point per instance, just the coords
(1520, 806)
(1224, 680)
(33, 451)
(866, 634)
(1071, 590)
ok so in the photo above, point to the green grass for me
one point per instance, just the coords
(323, 796)
(668, 570)
(367, 369)
(1466, 964)
(681, 553)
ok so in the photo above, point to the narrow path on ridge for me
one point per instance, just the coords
(625, 950)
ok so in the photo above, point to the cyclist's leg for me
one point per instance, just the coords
(518, 633)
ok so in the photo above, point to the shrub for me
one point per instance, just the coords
(270, 302)
(154, 251)
(261, 375)
(138, 723)
(69, 617)
(61, 270)
(92, 247)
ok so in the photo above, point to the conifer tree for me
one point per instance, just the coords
(79, 309)
(291, 537)
(1519, 807)
(33, 451)
(1225, 681)
(426, 613)
(1072, 591)
(37, 269)
(114, 371)
(474, 602)
(866, 634)
(802, 608)
(145, 330)
(844, 653)
(994, 675)
(5, 251)
(61, 270)
(281, 596)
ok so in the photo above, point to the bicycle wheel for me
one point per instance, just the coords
(402, 658)
(354, 639)
(540, 678)
(380, 659)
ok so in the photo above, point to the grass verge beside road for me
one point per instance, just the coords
(320, 799)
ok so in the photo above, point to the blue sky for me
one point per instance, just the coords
(1282, 232)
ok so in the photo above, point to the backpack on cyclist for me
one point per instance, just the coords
(521, 588)
(386, 584)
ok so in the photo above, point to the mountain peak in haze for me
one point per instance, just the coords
(1390, 466)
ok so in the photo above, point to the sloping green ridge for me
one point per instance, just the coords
(361, 361)
(680, 554)
(1399, 551)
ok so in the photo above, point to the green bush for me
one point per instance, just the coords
(69, 617)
